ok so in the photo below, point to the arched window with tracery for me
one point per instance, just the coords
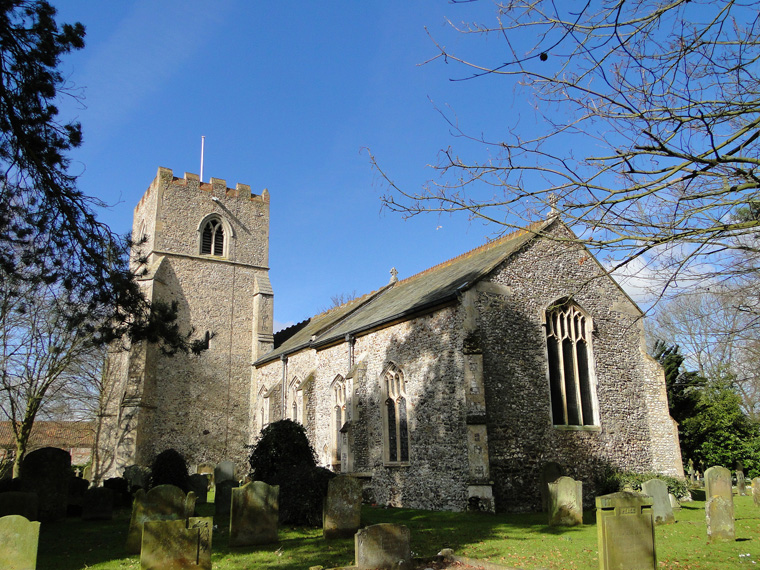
(338, 390)
(212, 237)
(395, 416)
(568, 343)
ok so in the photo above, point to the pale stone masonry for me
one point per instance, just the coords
(450, 389)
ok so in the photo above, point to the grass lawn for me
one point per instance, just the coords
(514, 540)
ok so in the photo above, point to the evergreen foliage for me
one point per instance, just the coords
(283, 456)
(169, 468)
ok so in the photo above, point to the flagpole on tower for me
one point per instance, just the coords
(203, 144)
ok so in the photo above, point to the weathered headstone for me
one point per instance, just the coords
(381, 546)
(223, 496)
(207, 469)
(662, 511)
(225, 471)
(137, 476)
(550, 472)
(741, 484)
(120, 488)
(565, 502)
(87, 473)
(199, 485)
(165, 502)
(97, 504)
(342, 512)
(77, 488)
(719, 513)
(718, 483)
(756, 491)
(47, 472)
(19, 539)
(625, 532)
(19, 503)
(674, 504)
(255, 514)
(176, 544)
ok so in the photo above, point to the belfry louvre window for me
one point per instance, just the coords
(395, 416)
(570, 374)
(212, 238)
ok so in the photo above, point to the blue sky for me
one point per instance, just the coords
(289, 97)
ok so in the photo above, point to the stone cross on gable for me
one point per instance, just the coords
(553, 201)
(394, 275)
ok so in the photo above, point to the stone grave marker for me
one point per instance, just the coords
(254, 515)
(165, 502)
(87, 473)
(225, 471)
(47, 472)
(565, 502)
(223, 496)
(19, 503)
(756, 491)
(719, 514)
(97, 504)
(342, 511)
(550, 472)
(177, 544)
(199, 485)
(625, 532)
(381, 546)
(206, 469)
(120, 488)
(741, 484)
(77, 488)
(718, 483)
(18, 539)
(674, 504)
(137, 476)
(662, 511)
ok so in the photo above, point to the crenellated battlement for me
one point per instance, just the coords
(216, 186)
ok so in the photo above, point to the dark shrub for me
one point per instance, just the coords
(284, 457)
(169, 468)
(611, 481)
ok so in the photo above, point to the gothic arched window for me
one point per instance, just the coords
(212, 237)
(338, 390)
(568, 343)
(395, 416)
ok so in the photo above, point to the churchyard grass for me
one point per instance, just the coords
(514, 540)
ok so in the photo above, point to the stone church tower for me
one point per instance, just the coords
(206, 248)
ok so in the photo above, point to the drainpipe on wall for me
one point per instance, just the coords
(284, 359)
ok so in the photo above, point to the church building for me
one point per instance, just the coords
(450, 389)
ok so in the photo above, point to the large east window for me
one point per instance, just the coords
(395, 416)
(568, 345)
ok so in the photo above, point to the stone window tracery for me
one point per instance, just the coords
(212, 237)
(296, 401)
(568, 343)
(338, 390)
(395, 416)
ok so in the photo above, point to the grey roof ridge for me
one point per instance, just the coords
(539, 227)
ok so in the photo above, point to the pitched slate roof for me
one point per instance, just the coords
(66, 435)
(401, 300)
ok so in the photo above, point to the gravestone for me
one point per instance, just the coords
(741, 484)
(254, 514)
(120, 487)
(97, 504)
(199, 485)
(662, 511)
(382, 546)
(19, 539)
(718, 483)
(87, 473)
(19, 503)
(77, 488)
(176, 544)
(674, 504)
(565, 502)
(756, 491)
(225, 471)
(47, 471)
(719, 514)
(550, 472)
(223, 496)
(625, 532)
(137, 476)
(165, 502)
(342, 511)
